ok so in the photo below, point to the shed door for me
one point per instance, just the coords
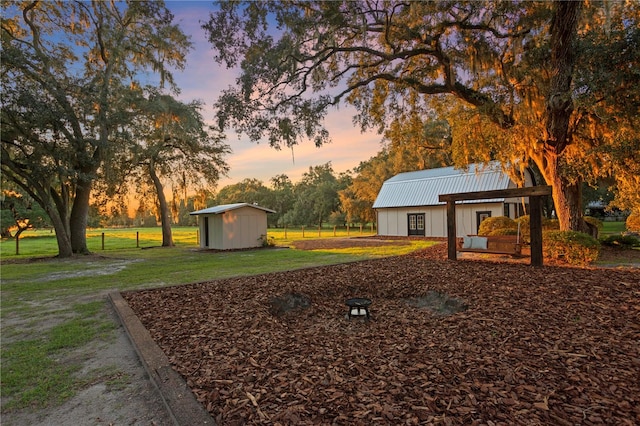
(206, 231)
(416, 223)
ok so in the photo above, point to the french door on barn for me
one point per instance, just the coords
(416, 223)
(480, 216)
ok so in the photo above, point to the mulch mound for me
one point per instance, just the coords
(549, 345)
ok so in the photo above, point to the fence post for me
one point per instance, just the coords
(137, 239)
(103, 241)
(360, 229)
(334, 230)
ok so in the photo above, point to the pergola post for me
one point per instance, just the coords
(535, 229)
(451, 230)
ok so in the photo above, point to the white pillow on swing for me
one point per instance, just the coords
(479, 243)
(466, 242)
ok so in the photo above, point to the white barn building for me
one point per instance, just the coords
(407, 204)
(232, 226)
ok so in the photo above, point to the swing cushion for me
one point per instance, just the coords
(474, 243)
(479, 243)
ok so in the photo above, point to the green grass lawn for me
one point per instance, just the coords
(40, 243)
(609, 228)
(51, 308)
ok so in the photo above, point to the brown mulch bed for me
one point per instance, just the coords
(550, 345)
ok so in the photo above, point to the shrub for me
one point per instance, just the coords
(574, 248)
(525, 227)
(596, 223)
(550, 224)
(621, 241)
(593, 221)
(633, 221)
(266, 241)
(490, 224)
(504, 231)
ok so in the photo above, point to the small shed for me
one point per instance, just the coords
(408, 205)
(232, 226)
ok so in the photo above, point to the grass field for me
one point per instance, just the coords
(609, 228)
(54, 311)
(43, 242)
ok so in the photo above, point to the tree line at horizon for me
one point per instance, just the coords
(546, 85)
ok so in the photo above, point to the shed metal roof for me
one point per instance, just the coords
(226, 207)
(423, 187)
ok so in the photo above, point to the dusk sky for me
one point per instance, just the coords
(204, 79)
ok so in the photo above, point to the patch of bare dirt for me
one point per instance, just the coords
(547, 345)
(117, 390)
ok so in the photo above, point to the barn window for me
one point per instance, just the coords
(416, 223)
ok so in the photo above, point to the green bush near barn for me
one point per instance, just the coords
(574, 248)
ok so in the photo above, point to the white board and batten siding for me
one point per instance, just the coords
(232, 226)
(414, 195)
(393, 222)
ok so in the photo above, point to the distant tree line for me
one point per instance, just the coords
(314, 200)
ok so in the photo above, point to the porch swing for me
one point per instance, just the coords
(535, 194)
(491, 244)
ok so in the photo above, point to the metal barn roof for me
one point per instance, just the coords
(423, 187)
(226, 207)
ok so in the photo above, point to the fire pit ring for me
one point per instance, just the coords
(358, 306)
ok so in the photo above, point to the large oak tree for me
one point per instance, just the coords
(172, 144)
(69, 74)
(517, 81)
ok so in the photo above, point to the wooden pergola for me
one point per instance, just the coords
(535, 194)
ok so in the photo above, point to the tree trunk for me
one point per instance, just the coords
(56, 206)
(64, 243)
(165, 217)
(62, 235)
(567, 194)
(20, 230)
(79, 217)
